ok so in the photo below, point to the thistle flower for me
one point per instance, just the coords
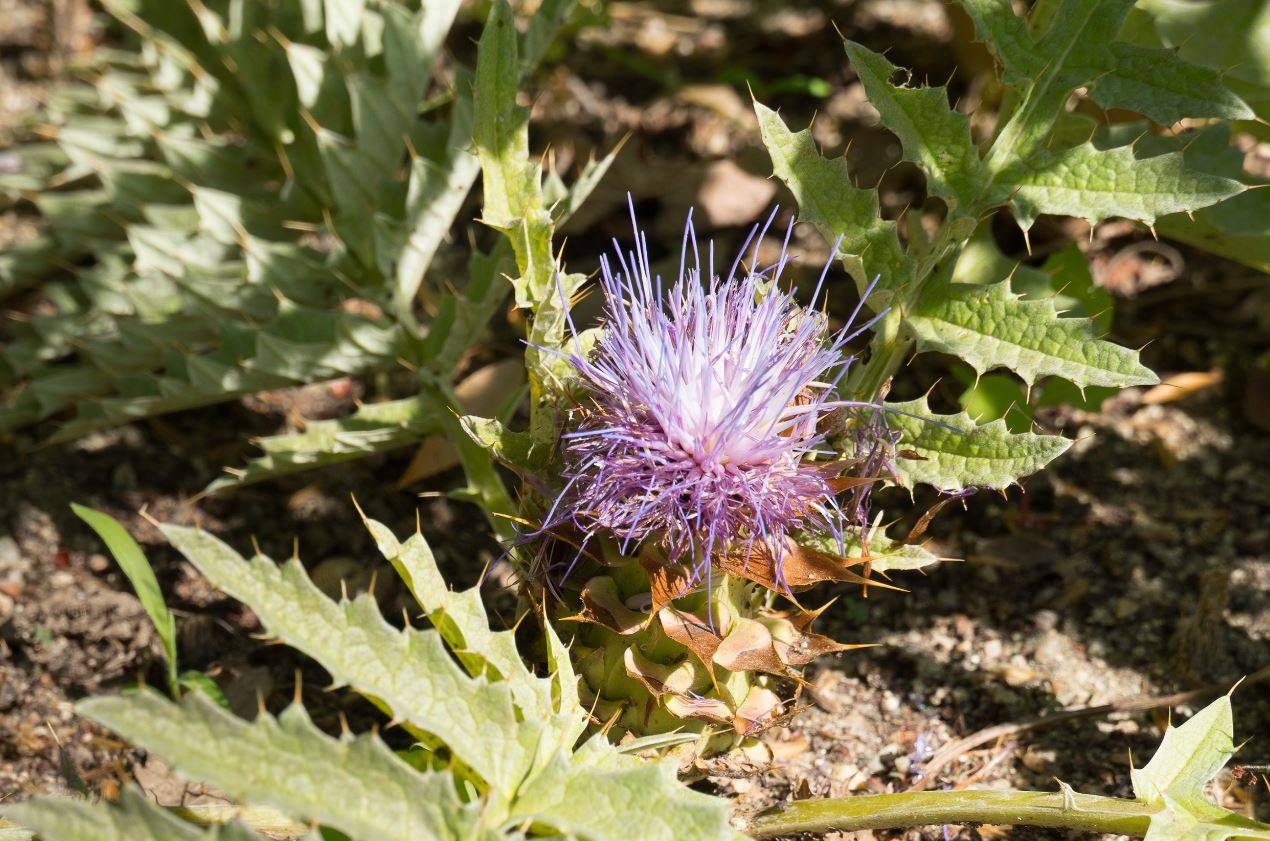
(703, 428)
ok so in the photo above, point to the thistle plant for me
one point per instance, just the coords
(250, 196)
(490, 749)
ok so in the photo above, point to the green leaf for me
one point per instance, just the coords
(991, 327)
(870, 246)
(135, 566)
(356, 785)
(1189, 756)
(1074, 50)
(605, 803)
(409, 672)
(956, 453)
(197, 681)
(934, 137)
(461, 619)
(1237, 228)
(1095, 184)
(132, 818)
(1232, 37)
(517, 450)
(1161, 86)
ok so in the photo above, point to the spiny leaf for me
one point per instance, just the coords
(409, 672)
(1096, 184)
(132, 818)
(934, 137)
(356, 785)
(956, 453)
(605, 803)
(991, 327)
(1231, 37)
(373, 428)
(460, 617)
(1074, 50)
(826, 197)
(1161, 86)
(1189, 756)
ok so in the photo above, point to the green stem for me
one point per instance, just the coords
(891, 343)
(928, 808)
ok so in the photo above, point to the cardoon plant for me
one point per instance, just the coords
(694, 461)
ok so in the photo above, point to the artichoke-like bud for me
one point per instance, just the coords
(694, 459)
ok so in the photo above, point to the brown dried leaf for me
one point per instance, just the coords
(1182, 385)
(602, 605)
(801, 567)
(760, 710)
(748, 648)
(667, 581)
(692, 632)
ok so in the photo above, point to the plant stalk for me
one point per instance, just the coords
(1062, 810)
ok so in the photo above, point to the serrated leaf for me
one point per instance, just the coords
(1074, 50)
(409, 672)
(956, 453)
(933, 136)
(603, 804)
(1095, 184)
(1189, 756)
(1232, 37)
(132, 818)
(991, 327)
(1161, 86)
(355, 784)
(870, 246)
(461, 619)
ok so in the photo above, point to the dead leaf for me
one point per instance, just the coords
(1180, 386)
(602, 605)
(482, 393)
(748, 648)
(801, 567)
(667, 581)
(692, 632)
(760, 710)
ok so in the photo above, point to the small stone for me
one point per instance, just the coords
(890, 703)
(98, 563)
(992, 649)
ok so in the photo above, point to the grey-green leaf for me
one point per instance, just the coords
(355, 784)
(991, 327)
(955, 453)
(934, 136)
(409, 672)
(132, 818)
(826, 197)
(1096, 184)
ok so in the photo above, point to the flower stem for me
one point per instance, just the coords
(927, 808)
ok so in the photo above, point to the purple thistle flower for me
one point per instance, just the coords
(703, 428)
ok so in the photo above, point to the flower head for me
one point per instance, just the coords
(704, 426)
